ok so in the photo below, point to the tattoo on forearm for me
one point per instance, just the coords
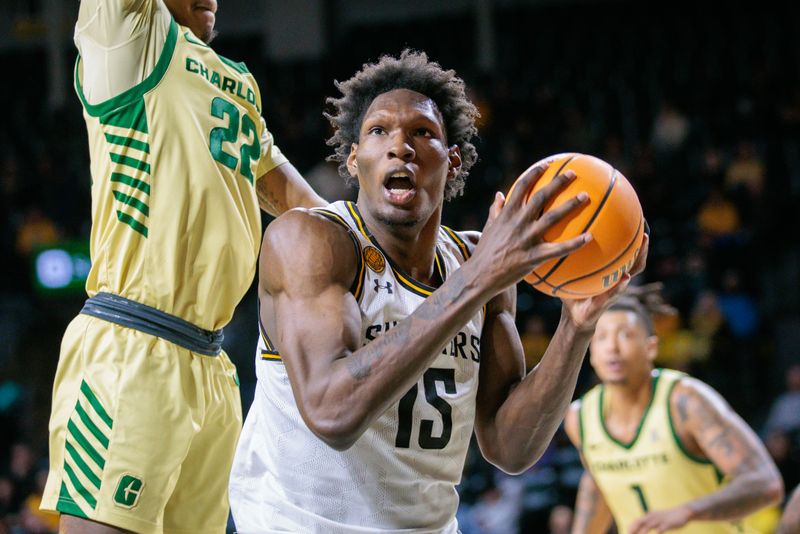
(360, 365)
(723, 442)
(434, 305)
(269, 199)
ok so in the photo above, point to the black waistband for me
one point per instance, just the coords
(124, 312)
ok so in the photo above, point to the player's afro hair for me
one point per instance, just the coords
(414, 71)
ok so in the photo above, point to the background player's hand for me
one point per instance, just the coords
(513, 243)
(585, 312)
(661, 521)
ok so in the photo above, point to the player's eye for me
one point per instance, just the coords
(423, 132)
(376, 130)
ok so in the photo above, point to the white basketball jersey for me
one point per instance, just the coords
(400, 476)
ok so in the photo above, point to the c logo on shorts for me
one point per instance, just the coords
(128, 491)
(374, 259)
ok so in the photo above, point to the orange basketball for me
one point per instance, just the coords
(613, 216)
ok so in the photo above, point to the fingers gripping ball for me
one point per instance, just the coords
(613, 216)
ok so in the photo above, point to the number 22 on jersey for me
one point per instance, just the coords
(250, 149)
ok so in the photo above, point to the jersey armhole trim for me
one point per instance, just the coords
(462, 246)
(238, 66)
(357, 287)
(675, 436)
(580, 425)
(137, 91)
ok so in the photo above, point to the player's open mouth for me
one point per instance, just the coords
(399, 187)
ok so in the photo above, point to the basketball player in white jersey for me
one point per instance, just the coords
(386, 337)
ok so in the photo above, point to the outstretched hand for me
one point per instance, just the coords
(585, 312)
(512, 243)
(660, 521)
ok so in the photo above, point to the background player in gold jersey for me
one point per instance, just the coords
(146, 409)
(657, 443)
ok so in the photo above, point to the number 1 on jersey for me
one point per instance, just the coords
(637, 489)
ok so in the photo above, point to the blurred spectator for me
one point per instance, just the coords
(670, 129)
(560, 520)
(35, 230)
(738, 307)
(746, 172)
(786, 454)
(718, 219)
(784, 414)
(22, 473)
(33, 520)
(498, 509)
(325, 179)
(535, 338)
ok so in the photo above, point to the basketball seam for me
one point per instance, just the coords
(587, 275)
(588, 225)
(556, 174)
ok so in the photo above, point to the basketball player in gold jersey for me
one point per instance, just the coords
(146, 409)
(663, 452)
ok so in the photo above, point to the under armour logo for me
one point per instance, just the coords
(378, 286)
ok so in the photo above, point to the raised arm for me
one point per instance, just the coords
(307, 266)
(283, 188)
(120, 42)
(518, 414)
(592, 514)
(709, 428)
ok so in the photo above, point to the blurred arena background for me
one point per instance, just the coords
(698, 106)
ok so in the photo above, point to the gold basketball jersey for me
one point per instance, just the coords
(652, 472)
(175, 218)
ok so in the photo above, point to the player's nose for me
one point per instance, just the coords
(400, 147)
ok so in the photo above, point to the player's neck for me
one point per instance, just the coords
(629, 399)
(413, 249)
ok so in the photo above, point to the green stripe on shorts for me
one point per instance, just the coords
(88, 497)
(98, 408)
(66, 504)
(84, 443)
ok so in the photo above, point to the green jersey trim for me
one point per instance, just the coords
(137, 91)
(239, 67)
(675, 436)
(629, 445)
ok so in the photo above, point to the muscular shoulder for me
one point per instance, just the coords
(690, 394)
(305, 249)
(696, 409)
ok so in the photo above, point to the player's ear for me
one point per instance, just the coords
(652, 348)
(454, 165)
(352, 165)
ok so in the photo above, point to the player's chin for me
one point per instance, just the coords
(209, 34)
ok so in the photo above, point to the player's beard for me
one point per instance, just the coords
(404, 223)
(209, 36)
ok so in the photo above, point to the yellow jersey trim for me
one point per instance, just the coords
(406, 281)
(357, 287)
